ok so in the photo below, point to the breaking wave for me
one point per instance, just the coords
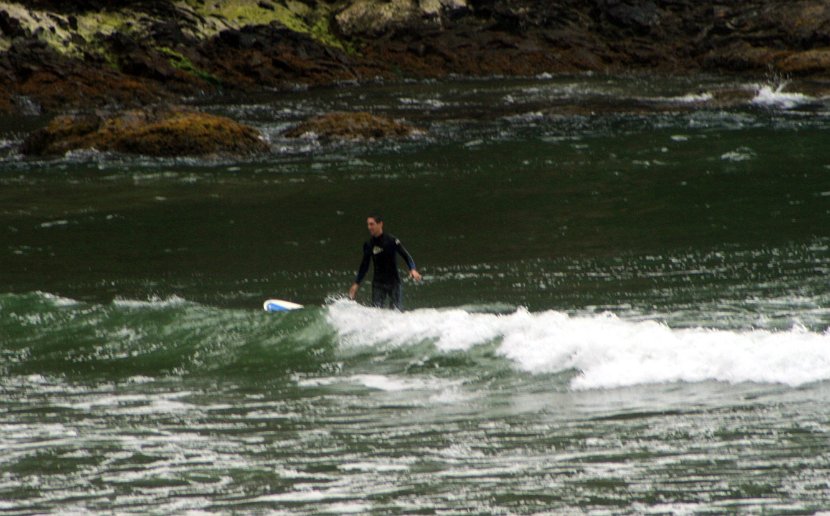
(604, 350)
(133, 338)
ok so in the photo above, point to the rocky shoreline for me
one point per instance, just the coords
(61, 55)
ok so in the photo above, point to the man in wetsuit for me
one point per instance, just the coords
(382, 248)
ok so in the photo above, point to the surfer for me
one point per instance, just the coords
(383, 248)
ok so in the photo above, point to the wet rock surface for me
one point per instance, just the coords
(32, 70)
(352, 126)
(155, 132)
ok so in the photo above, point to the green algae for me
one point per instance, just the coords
(293, 15)
(93, 26)
(321, 31)
(238, 13)
(214, 16)
(106, 22)
(181, 62)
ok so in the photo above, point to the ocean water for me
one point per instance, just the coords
(625, 309)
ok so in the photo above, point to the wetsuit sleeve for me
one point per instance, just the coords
(364, 264)
(406, 256)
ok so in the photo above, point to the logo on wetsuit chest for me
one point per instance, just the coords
(377, 250)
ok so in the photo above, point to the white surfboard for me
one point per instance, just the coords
(279, 305)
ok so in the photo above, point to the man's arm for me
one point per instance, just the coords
(410, 263)
(361, 271)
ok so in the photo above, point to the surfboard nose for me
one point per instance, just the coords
(279, 305)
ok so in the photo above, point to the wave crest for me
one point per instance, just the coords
(607, 351)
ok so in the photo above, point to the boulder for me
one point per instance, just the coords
(352, 126)
(373, 18)
(801, 23)
(640, 16)
(370, 18)
(155, 132)
(741, 56)
(815, 61)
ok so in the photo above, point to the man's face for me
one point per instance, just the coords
(375, 227)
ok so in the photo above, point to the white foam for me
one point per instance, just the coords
(56, 300)
(347, 508)
(432, 103)
(768, 96)
(152, 302)
(450, 329)
(37, 379)
(690, 98)
(304, 494)
(533, 116)
(140, 379)
(389, 384)
(693, 98)
(607, 351)
(383, 382)
(380, 467)
(739, 154)
(54, 223)
(133, 403)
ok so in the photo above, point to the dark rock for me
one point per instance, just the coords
(135, 59)
(641, 15)
(62, 134)
(10, 26)
(275, 57)
(26, 106)
(741, 56)
(169, 33)
(809, 62)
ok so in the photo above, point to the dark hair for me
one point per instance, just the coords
(377, 216)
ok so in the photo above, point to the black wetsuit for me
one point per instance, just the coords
(386, 282)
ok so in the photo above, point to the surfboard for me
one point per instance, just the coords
(279, 305)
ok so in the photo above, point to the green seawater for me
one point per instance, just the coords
(625, 309)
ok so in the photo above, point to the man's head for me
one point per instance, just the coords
(375, 224)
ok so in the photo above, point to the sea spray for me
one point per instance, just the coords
(775, 97)
(606, 350)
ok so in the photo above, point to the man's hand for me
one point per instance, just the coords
(415, 275)
(353, 291)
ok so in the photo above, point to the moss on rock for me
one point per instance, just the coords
(293, 15)
(181, 62)
(154, 132)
